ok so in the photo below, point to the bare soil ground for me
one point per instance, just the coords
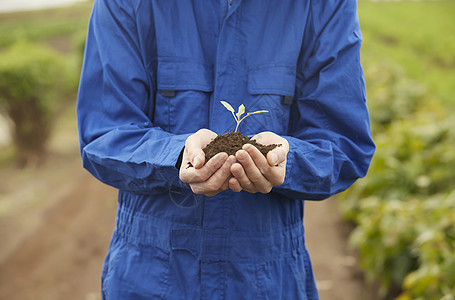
(61, 258)
(334, 262)
(55, 225)
(56, 222)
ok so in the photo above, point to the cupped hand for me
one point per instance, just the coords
(208, 178)
(255, 173)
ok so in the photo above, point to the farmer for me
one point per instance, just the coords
(230, 227)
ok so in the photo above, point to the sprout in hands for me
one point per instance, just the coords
(240, 112)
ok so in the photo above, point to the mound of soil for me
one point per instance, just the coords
(231, 142)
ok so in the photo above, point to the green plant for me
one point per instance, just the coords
(409, 244)
(413, 157)
(241, 110)
(435, 244)
(44, 25)
(403, 210)
(417, 36)
(33, 79)
(392, 95)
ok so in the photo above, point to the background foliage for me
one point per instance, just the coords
(40, 59)
(404, 210)
(32, 77)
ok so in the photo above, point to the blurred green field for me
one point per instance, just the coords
(409, 60)
(62, 29)
(50, 24)
(418, 36)
(403, 210)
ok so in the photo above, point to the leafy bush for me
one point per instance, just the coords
(404, 209)
(413, 157)
(410, 241)
(32, 78)
(395, 95)
(435, 244)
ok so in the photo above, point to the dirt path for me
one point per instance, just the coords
(59, 253)
(62, 257)
(334, 263)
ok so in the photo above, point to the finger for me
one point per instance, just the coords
(273, 173)
(267, 138)
(276, 156)
(241, 178)
(258, 158)
(254, 174)
(224, 187)
(193, 175)
(234, 185)
(277, 161)
(222, 175)
(194, 155)
(198, 161)
(217, 182)
(194, 145)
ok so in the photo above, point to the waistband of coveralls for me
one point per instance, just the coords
(209, 245)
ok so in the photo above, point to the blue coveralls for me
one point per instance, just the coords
(154, 73)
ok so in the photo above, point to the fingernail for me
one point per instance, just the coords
(247, 146)
(241, 154)
(224, 155)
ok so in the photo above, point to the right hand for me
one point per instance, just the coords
(255, 173)
(208, 178)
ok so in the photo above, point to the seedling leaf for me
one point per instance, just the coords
(228, 106)
(241, 111)
(257, 112)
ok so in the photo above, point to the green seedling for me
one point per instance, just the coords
(238, 116)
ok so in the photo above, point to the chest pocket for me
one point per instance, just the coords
(272, 88)
(183, 95)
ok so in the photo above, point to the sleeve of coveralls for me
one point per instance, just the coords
(330, 140)
(119, 144)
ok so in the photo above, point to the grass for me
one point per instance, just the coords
(419, 36)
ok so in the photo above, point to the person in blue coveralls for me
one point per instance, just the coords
(231, 227)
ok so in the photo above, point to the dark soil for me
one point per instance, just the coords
(231, 142)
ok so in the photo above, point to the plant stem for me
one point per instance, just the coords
(237, 127)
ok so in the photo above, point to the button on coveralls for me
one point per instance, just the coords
(154, 73)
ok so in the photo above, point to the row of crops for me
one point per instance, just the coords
(404, 210)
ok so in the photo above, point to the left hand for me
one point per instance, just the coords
(255, 173)
(208, 178)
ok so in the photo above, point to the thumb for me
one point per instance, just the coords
(198, 161)
(194, 145)
(194, 154)
(276, 156)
